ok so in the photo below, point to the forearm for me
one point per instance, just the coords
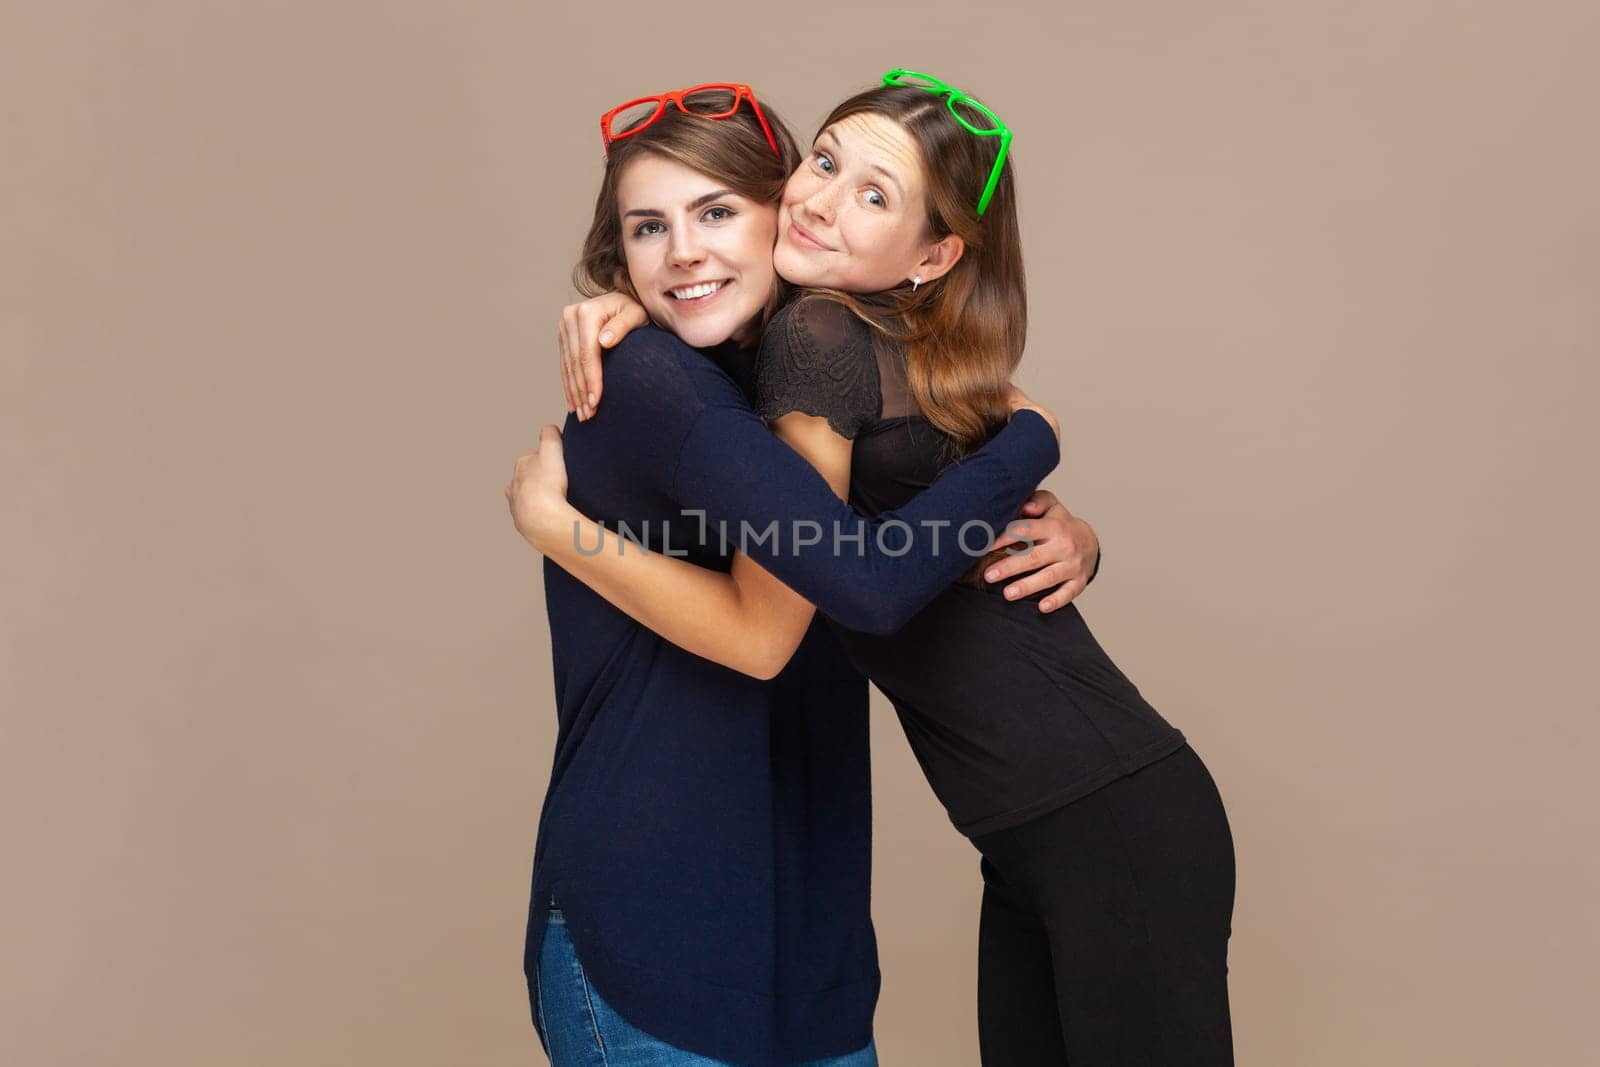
(877, 577)
(734, 619)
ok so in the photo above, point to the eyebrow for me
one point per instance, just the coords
(697, 202)
(877, 167)
(892, 179)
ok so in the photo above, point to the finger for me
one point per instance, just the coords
(570, 355)
(629, 318)
(561, 363)
(1040, 580)
(1038, 502)
(574, 367)
(594, 328)
(1016, 532)
(1052, 528)
(568, 318)
(1011, 566)
(1061, 596)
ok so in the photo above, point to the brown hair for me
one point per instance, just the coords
(733, 151)
(963, 334)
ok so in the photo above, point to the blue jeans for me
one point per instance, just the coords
(581, 1030)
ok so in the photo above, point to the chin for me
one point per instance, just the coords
(704, 334)
(794, 266)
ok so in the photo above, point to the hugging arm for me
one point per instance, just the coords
(747, 619)
(736, 477)
(799, 546)
(1064, 554)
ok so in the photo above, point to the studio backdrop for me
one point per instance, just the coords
(1313, 292)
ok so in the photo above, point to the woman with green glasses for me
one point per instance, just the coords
(1106, 854)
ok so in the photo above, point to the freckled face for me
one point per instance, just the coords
(854, 215)
(698, 254)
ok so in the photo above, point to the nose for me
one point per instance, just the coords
(684, 249)
(822, 204)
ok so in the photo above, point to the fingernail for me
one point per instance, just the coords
(591, 400)
(1044, 604)
(1011, 594)
(992, 576)
(605, 338)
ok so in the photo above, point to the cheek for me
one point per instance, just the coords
(876, 248)
(641, 265)
(887, 229)
(799, 187)
(637, 264)
(756, 241)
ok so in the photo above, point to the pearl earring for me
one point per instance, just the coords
(916, 281)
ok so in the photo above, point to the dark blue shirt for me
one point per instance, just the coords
(708, 834)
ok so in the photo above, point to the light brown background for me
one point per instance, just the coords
(1314, 290)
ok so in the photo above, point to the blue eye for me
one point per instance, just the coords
(876, 199)
(824, 164)
(644, 229)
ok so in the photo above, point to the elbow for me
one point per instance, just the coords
(762, 668)
(752, 663)
(768, 658)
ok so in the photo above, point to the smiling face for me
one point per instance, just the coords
(854, 215)
(699, 255)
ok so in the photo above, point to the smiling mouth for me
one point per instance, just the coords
(697, 294)
(803, 237)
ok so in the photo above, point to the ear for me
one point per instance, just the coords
(939, 258)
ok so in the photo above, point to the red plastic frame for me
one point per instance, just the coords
(739, 90)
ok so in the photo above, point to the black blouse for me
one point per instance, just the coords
(818, 358)
(1011, 712)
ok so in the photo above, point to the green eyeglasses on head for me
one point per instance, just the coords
(992, 127)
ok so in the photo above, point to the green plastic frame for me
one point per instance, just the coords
(954, 96)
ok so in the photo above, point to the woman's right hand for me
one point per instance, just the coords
(586, 327)
(1019, 401)
(537, 491)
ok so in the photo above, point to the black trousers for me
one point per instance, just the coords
(1105, 925)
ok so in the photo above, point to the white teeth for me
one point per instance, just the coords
(694, 291)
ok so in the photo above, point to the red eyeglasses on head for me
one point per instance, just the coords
(698, 108)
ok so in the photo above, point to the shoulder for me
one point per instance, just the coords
(653, 368)
(647, 349)
(820, 326)
(817, 358)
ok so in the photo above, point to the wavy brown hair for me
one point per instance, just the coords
(963, 333)
(733, 151)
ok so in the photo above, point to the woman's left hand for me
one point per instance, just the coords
(537, 491)
(1062, 557)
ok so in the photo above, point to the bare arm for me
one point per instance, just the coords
(1062, 549)
(747, 619)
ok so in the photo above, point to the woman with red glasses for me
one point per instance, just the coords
(1106, 853)
(701, 879)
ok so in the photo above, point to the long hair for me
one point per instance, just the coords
(733, 151)
(963, 334)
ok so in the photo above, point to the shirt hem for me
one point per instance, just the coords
(1123, 767)
(676, 1008)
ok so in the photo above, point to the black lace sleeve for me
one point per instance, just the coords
(817, 358)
